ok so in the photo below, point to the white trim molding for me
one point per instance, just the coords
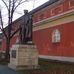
(59, 58)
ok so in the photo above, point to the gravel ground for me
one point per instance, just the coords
(46, 67)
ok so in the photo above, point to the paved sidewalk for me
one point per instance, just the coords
(5, 70)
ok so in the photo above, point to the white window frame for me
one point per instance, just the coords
(55, 36)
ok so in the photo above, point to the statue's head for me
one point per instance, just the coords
(25, 12)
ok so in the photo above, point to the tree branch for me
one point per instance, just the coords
(5, 4)
(14, 33)
(20, 2)
(1, 19)
(17, 5)
(12, 11)
(2, 29)
(15, 1)
(3, 32)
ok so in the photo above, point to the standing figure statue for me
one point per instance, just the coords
(26, 29)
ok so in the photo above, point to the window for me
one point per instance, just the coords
(55, 36)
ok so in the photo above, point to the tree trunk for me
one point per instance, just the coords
(7, 55)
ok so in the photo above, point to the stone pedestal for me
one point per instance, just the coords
(23, 57)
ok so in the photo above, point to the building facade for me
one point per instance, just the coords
(53, 28)
(53, 31)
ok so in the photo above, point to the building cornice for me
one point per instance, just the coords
(43, 22)
(63, 18)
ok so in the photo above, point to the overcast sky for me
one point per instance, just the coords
(19, 12)
(30, 6)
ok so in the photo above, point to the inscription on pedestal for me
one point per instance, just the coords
(13, 53)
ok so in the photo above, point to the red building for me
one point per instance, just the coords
(53, 28)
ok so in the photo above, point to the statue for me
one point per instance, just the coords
(26, 29)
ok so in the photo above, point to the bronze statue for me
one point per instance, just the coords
(26, 29)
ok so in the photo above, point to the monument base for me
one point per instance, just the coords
(23, 67)
(23, 57)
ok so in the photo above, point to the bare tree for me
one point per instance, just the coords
(11, 6)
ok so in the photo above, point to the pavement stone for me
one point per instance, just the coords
(6, 70)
